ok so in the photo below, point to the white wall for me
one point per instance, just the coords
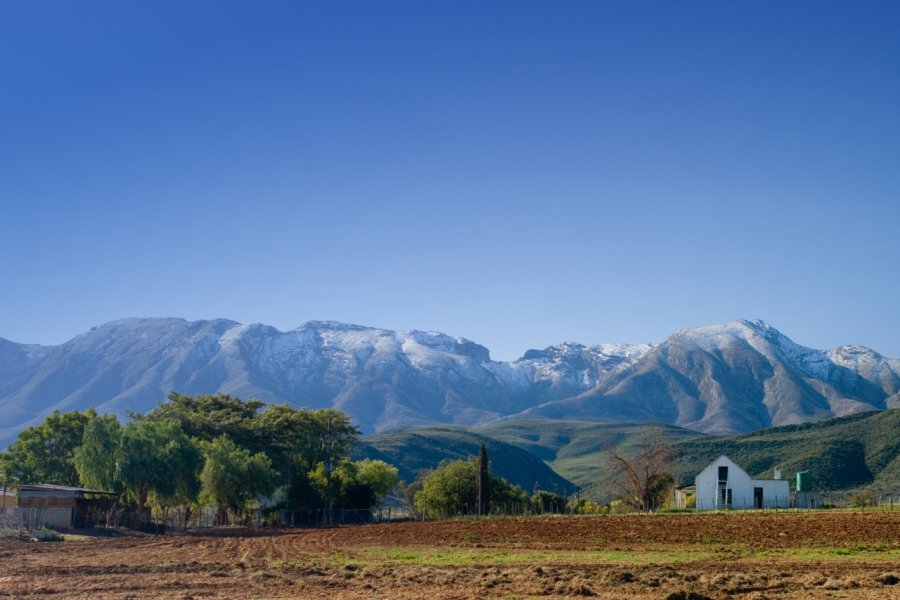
(776, 492)
(738, 481)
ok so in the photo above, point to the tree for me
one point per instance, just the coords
(303, 440)
(484, 483)
(548, 502)
(506, 497)
(355, 484)
(295, 440)
(298, 438)
(408, 491)
(232, 476)
(95, 458)
(157, 457)
(377, 475)
(45, 453)
(643, 473)
(452, 489)
(206, 417)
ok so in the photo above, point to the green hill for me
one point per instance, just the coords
(844, 453)
(579, 450)
(417, 449)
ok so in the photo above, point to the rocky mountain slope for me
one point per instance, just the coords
(735, 377)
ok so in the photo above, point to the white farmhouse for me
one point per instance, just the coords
(723, 485)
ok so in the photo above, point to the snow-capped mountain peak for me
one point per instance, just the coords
(733, 376)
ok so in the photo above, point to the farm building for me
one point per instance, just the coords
(685, 496)
(723, 485)
(58, 506)
(8, 501)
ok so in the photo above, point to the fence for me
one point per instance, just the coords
(856, 500)
(181, 520)
(207, 517)
(10, 522)
(347, 516)
(862, 500)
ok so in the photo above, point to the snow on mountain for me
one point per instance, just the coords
(735, 377)
(730, 377)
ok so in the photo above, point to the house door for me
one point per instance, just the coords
(757, 497)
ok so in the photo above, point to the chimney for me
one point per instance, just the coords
(777, 473)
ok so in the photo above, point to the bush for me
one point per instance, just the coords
(587, 507)
(548, 502)
(862, 498)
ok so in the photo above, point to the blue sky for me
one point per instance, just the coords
(518, 173)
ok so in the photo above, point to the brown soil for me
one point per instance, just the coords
(333, 563)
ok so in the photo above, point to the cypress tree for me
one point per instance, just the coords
(484, 483)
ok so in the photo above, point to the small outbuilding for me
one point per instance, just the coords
(9, 504)
(60, 506)
(723, 485)
(686, 496)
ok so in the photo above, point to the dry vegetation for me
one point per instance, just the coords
(780, 555)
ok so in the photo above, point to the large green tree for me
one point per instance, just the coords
(207, 417)
(157, 457)
(95, 459)
(452, 489)
(353, 484)
(232, 476)
(45, 453)
(294, 439)
(377, 475)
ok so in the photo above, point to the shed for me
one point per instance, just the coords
(60, 506)
(8, 500)
(686, 496)
(723, 484)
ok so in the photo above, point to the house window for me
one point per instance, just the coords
(723, 473)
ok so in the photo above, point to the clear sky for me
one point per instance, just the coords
(518, 173)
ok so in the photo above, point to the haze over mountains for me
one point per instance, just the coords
(730, 378)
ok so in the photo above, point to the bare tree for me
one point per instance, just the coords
(643, 475)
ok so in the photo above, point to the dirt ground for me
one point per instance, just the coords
(672, 557)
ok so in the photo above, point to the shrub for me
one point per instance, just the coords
(862, 498)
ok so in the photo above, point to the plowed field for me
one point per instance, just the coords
(752, 555)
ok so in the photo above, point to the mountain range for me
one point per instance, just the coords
(730, 378)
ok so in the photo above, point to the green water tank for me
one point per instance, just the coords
(804, 481)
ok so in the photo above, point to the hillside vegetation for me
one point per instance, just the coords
(861, 451)
(579, 451)
(416, 450)
(844, 453)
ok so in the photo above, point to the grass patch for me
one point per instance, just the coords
(833, 553)
(456, 557)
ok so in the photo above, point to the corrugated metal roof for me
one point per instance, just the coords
(37, 487)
